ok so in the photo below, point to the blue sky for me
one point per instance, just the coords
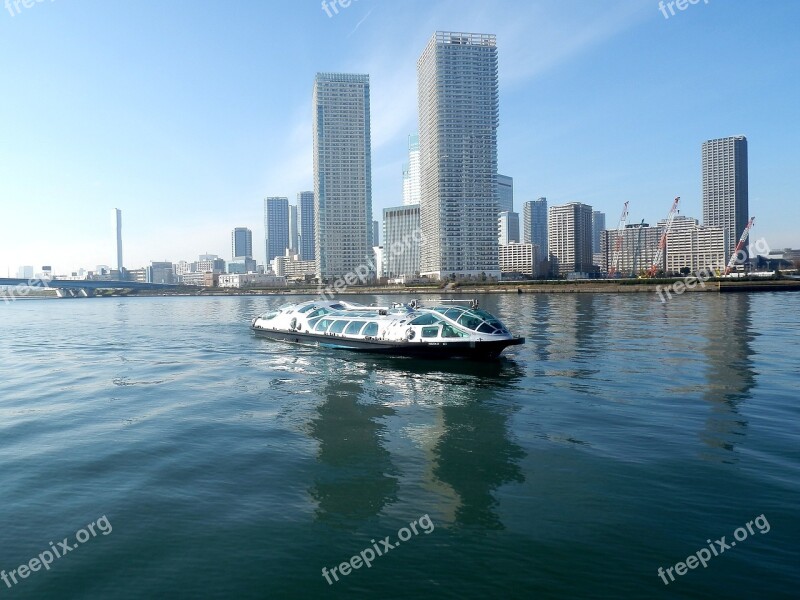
(185, 114)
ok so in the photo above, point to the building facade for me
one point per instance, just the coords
(401, 242)
(569, 234)
(294, 230)
(342, 173)
(241, 243)
(637, 249)
(276, 226)
(534, 224)
(305, 218)
(458, 119)
(293, 268)
(505, 193)
(161, 272)
(508, 228)
(411, 188)
(695, 247)
(598, 226)
(519, 258)
(725, 187)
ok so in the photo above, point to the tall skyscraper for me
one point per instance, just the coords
(458, 118)
(276, 226)
(505, 193)
(293, 230)
(376, 233)
(534, 224)
(241, 243)
(725, 188)
(118, 219)
(401, 241)
(508, 226)
(411, 172)
(569, 233)
(598, 226)
(305, 217)
(342, 173)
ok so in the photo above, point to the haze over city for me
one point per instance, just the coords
(157, 112)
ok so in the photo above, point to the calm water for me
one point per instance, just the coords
(620, 438)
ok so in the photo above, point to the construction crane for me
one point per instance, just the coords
(662, 243)
(617, 254)
(740, 245)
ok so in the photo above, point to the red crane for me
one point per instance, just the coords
(617, 254)
(662, 244)
(740, 245)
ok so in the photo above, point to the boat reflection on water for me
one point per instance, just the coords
(453, 427)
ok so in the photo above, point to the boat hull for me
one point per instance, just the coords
(456, 349)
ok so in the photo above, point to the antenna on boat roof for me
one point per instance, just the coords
(473, 302)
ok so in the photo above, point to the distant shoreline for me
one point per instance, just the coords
(523, 287)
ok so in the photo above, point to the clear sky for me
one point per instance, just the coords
(186, 114)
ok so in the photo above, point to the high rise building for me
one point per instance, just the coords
(598, 226)
(505, 193)
(519, 258)
(508, 226)
(276, 226)
(569, 234)
(458, 119)
(401, 241)
(534, 224)
(241, 243)
(411, 172)
(118, 221)
(305, 218)
(693, 246)
(342, 173)
(725, 187)
(293, 230)
(637, 250)
(376, 233)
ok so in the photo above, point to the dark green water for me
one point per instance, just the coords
(621, 437)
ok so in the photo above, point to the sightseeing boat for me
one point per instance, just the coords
(444, 330)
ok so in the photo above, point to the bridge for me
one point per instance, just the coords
(75, 288)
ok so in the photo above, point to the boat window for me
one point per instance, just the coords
(426, 319)
(370, 329)
(313, 322)
(441, 309)
(470, 321)
(305, 309)
(354, 327)
(454, 313)
(450, 331)
(323, 324)
(318, 313)
(270, 315)
(485, 328)
(338, 327)
(430, 332)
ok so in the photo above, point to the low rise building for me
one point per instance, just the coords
(243, 280)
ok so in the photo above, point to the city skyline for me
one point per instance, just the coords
(538, 153)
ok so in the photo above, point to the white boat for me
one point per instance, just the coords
(444, 330)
